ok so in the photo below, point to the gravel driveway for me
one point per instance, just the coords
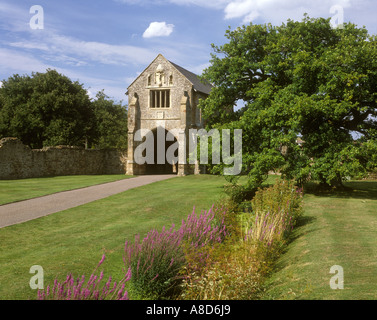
(22, 211)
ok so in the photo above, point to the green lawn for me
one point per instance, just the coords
(74, 240)
(16, 190)
(336, 229)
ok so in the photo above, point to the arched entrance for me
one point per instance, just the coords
(164, 151)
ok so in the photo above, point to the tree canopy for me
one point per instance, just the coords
(310, 98)
(111, 123)
(48, 109)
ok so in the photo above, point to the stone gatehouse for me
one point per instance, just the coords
(166, 96)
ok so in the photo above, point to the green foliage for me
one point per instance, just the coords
(369, 152)
(111, 123)
(48, 109)
(282, 196)
(299, 80)
(45, 109)
(237, 193)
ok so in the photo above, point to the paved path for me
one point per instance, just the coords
(22, 211)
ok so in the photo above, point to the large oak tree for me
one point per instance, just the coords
(309, 90)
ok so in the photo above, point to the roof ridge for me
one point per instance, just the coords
(190, 76)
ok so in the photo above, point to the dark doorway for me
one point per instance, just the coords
(160, 151)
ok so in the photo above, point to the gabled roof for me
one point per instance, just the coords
(192, 77)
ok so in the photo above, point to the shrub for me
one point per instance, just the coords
(238, 193)
(232, 274)
(237, 268)
(283, 195)
(201, 234)
(72, 289)
(157, 261)
(276, 210)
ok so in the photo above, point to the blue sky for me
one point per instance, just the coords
(106, 44)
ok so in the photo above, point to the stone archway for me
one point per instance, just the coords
(161, 163)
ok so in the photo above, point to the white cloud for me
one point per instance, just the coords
(276, 11)
(58, 48)
(19, 17)
(99, 51)
(91, 95)
(29, 45)
(76, 52)
(11, 61)
(216, 4)
(158, 29)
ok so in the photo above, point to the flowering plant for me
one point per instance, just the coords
(72, 289)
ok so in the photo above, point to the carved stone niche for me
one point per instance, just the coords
(160, 76)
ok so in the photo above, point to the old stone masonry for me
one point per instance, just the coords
(166, 96)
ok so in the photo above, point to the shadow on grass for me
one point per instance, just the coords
(273, 283)
(301, 229)
(352, 189)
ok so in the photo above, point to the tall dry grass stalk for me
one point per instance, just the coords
(236, 269)
(276, 211)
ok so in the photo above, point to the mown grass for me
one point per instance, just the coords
(17, 190)
(74, 240)
(338, 228)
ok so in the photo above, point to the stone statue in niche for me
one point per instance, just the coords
(160, 77)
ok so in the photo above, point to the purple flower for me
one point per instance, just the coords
(102, 260)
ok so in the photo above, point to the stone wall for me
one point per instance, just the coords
(18, 161)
